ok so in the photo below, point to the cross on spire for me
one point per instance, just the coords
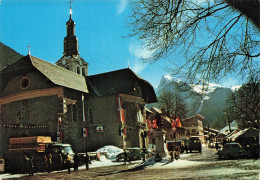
(70, 5)
(29, 53)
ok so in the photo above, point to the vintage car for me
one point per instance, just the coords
(231, 150)
(132, 153)
(174, 148)
(194, 144)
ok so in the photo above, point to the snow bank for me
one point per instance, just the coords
(111, 152)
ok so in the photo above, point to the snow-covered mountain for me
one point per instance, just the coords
(209, 102)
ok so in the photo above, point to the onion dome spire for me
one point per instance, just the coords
(71, 41)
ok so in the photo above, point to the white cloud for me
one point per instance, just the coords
(138, 53)
(121, 6)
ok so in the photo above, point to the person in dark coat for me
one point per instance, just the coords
(49, 162)
(29, 164)
(87, 161)
(60, 161)
(68, 162)
(126, 158)
(76, 162)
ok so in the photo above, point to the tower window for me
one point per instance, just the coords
(83, 72)
(74, 112)
(24, 83)
(78, 70)
(90, 115)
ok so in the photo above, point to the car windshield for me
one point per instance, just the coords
(67, 149)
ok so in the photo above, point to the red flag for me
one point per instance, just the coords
(154, 124)
(178, 122)
(149, 124)
(85, 132)
(124, 131)
(120, 109)
(173, 123)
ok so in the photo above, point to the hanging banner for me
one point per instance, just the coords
(178, 122)
(154, 126)
(173, 123)
(120, 109)
(149, 122)
(85, 132)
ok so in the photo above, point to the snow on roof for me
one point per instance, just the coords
(233, 126)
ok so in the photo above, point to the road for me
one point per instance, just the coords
(191, 166)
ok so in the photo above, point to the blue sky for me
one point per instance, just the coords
(100, 28)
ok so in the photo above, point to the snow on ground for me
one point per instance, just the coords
(108, 160)
(166, 163)
(112, 151)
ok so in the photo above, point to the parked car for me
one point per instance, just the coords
(132, 153)
(195, 144)
(232, 150)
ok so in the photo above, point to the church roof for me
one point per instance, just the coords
(121, 81)
(8, 56)
(60, 76)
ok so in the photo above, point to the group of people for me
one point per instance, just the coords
(59, 163)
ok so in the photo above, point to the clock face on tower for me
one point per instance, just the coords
(63, 62)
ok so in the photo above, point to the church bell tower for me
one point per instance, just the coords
(71, 46)
(71, 59)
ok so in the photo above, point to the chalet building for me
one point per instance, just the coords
(194, 126)
(38, 98)
(166, 124)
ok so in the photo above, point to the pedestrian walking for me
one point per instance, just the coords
(28, 164)
(68, 162)
(31, 166)
(60, 161)
(76, 161)
(49, 162)
(87, 161)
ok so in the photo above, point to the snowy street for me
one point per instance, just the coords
(191, 166)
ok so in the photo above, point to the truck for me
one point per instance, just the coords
(194, 144)
(36, 147)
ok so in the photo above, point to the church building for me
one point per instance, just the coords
(62, 101)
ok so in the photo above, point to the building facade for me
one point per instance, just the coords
(194, 126)
(38, 98)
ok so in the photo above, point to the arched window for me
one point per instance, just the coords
(90, 115)
(83, 72)
(78, 70)
(74, 112)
